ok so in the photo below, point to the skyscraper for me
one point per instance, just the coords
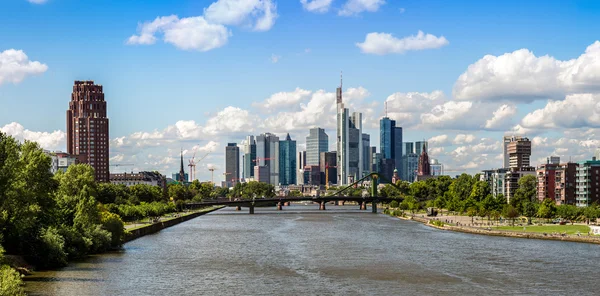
(355, 154)
(366, 151)
(390, 137)
(419, 147)
(232, 164)
(328, 167)
(249, 157)
(267, 154)
(87, 128)
(349, 146)
(317, 142)
(519, 152)
(300, 164)
(287, 161)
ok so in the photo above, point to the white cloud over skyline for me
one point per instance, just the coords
(355, 7)
(15, 66)
(385, 43)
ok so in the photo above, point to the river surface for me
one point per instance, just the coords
(341, 251)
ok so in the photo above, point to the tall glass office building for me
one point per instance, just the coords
(316, 142)
(287, 161)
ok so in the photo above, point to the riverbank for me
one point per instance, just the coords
(139, 231)
(494, 232)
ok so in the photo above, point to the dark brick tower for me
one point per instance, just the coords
(87, 128)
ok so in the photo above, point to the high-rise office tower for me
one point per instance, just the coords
(519, 152)
(317, 142)
(349, 146)
(300, 164)
(87, 128)
(328, 167)
(506, 159)
(267, 154)
(287, 161)
(409, 147)
(249, 157)
(419, 147)
(390, 137)
(366, 151)
(232, 164)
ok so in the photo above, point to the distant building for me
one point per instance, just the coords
(419, 147)
(261, 174)
(377, 157)
(87, 128)
(519, 152)
(372, 166)
(390, 138)
(232, 164)
(328, 167)
(60, 161)
(146, 178)
(317, 142)
(437, 169)
(424, 167)
(182, 176)
(386, 168)
(312, 175)
(496, 180)
(565, 183)
(177, 177)
(366, 150)
(553, 160)
(512, 180)
(409, 171)
(267, 154)
(249, 157)
(300, 164)
(546, 181)
(287, 162)
(587, 190)
(348, 144)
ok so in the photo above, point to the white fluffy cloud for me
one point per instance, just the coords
(385, 43)
(449, 115)
(576, 111)
(462, 139)
(355, 7)
(317, 6)
(501, 117)
(438, 141)
(15, 66)
(207, 32)
(284, 101)
(192, 33)
(47, 140)
(522, 76)
(259, 15)
(37, 1)
(407, 107)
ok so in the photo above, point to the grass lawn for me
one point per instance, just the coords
(570, 229)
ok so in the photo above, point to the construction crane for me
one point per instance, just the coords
(327, 167)
(121, 164)
(212, 176)
(193, 164)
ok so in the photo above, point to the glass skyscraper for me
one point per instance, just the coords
(390, 138)
(287, 161)
(316, 142)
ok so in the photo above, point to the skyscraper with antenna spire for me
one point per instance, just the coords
(390, 137)
(349, 141)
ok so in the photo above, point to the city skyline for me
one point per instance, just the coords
(435, 97)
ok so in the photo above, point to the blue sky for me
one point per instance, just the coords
(152, 87)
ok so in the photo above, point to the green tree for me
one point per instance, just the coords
(10, 279)
(526, 191)
(591, 213)
(146, 193)
(547, 209)
(511, 213)
(440, 203)
(529, 209)
(295, 193)
(461, 187)
(480, 190)
(472, 212)
(112, 193)
(419, 190)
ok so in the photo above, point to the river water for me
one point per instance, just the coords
(341, 251)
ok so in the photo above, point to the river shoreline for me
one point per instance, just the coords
(513, 234)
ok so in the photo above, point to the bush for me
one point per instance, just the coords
(436, 223)
(100, 238)
(51, 251)
(394, 204)
(76, 245)
(10, 282)
(113, 224)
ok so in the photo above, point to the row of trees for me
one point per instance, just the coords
(468, 195)
(50, 219)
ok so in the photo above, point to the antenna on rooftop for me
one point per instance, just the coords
(385, 109)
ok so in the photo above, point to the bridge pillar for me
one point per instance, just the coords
(322, 206)
(374, 207)
(251, 210)
(238, 208)
(363, 205)
(279, 206)
(287, 204)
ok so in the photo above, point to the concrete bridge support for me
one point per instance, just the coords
(363, 206)
(287, 204)
(279, 206)
(251, 210)
(238, 208)
(322, 206)
(374, 207)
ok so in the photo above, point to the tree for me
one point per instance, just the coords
(461, 187)
(419, 190)
(529, 209)
(526, 191)
(10, 279)
(511, 213)
(440, 203)
(591, 212)
(480, 190)
(295, 193)
(547, 209)
(472, 212)
(112, 193)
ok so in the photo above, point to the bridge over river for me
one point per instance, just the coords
(281, 201)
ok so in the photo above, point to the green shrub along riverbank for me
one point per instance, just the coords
(51, 219)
